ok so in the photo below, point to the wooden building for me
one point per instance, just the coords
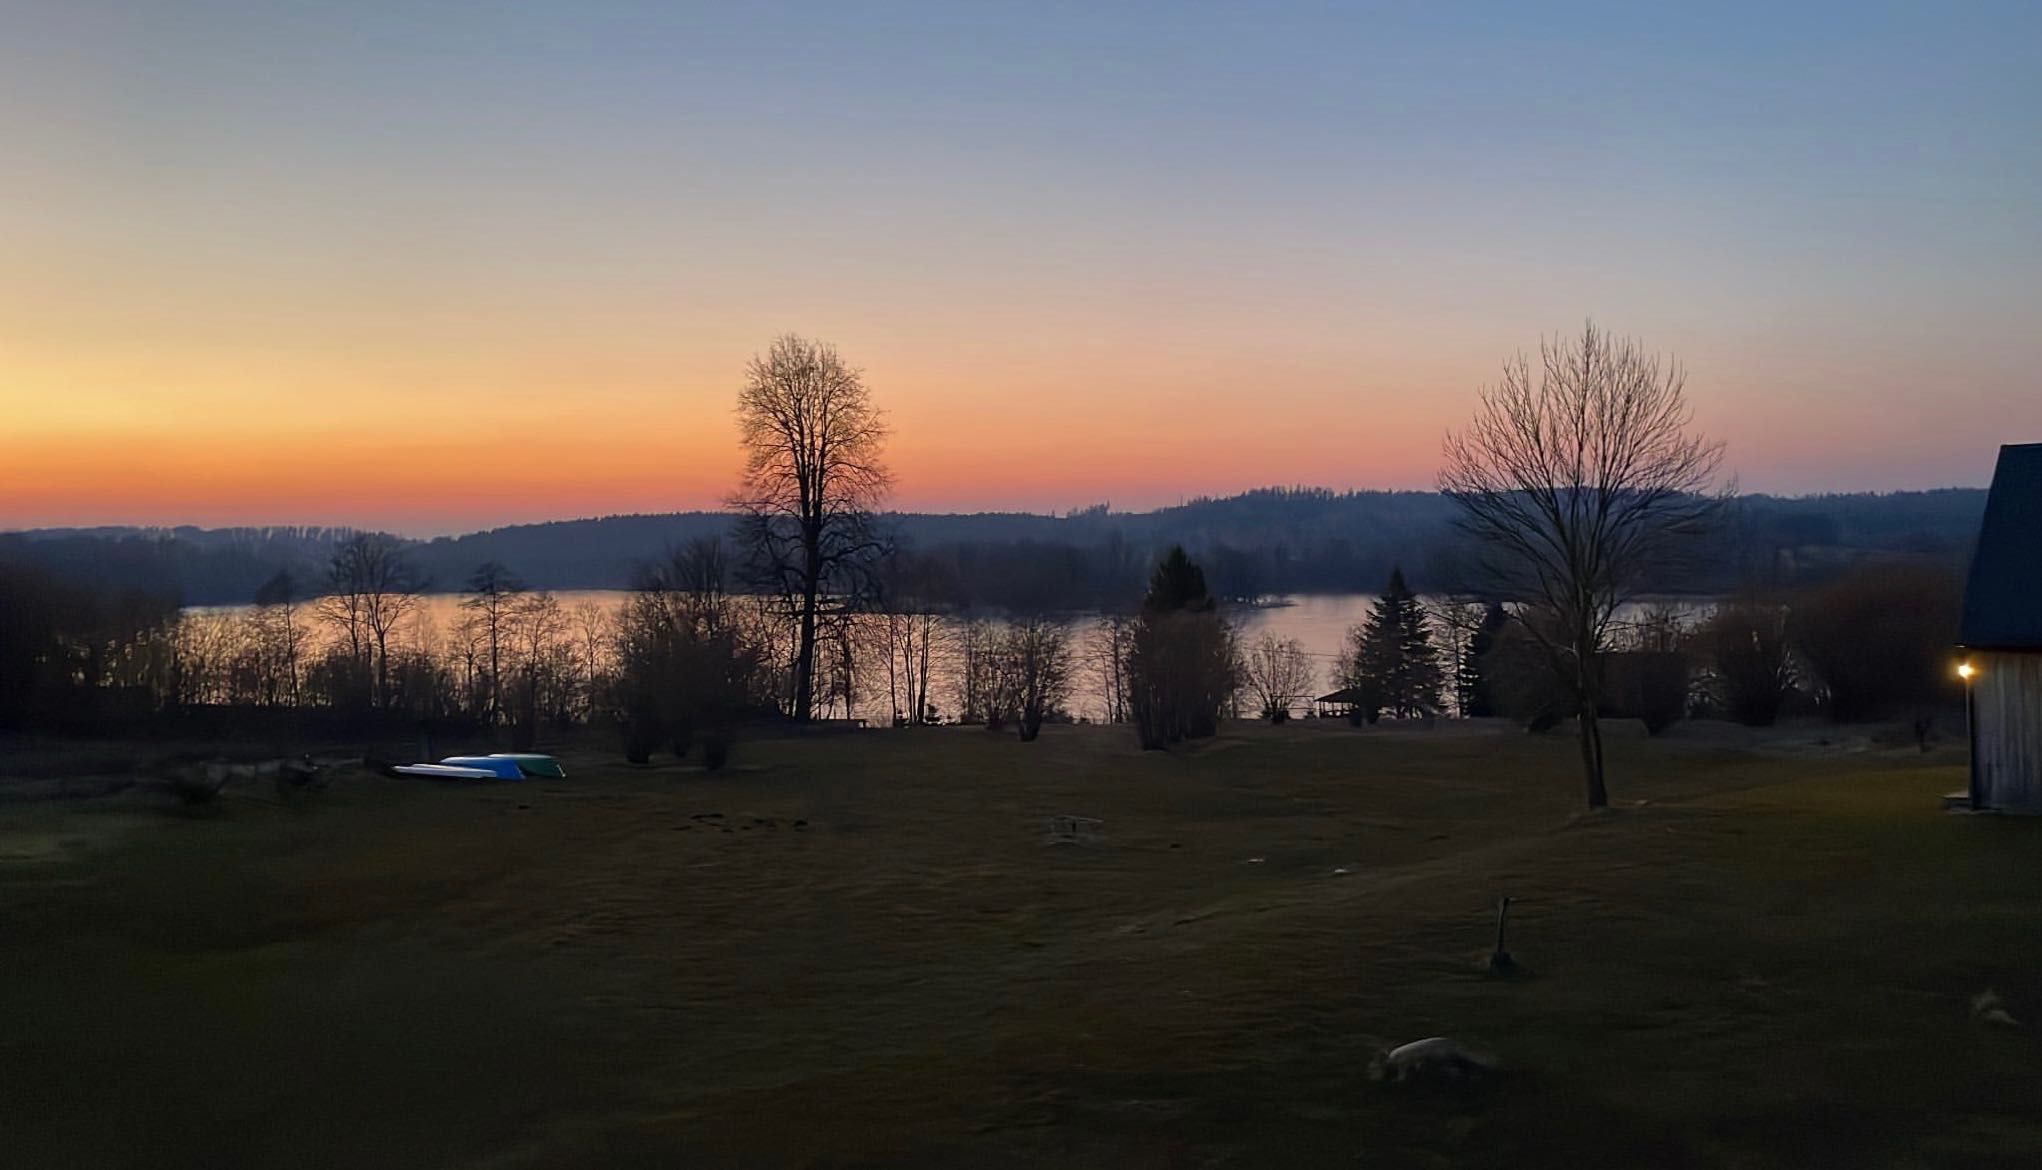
(1341, 704)
(2002, 639)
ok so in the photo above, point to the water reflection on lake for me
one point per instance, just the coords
(1318, 621)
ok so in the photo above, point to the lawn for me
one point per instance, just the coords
(859, 950)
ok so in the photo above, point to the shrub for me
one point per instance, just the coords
(1648, 685)
(641, 736)
(196, 784)
(1520, 681)
(1746, 642)
(1880, 640)
(682, 733)
(716, 750)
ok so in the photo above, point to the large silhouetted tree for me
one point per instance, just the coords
(1574, 483)
(812, 477)
(371, 588)
(1182, 658)
(1391, 661)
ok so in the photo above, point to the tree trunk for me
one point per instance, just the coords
(1585, 669)
(804, 656)
(495, 714)
(1591, 754)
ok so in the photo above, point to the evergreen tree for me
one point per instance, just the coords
(1181, 664)
(1476, 700)
(1392, 662)
(1415, 688)
(1177, 584)
(1368, 665)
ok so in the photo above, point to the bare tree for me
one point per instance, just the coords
(494, 593)
(593, 631)
(1106, 652)
(280, 636)
(372, 589)
(1574, 487)
(1037, 651)
(974, 669)
(537, 630)
(912, 634)
(812, 478)
(1460, 620)
(1278, 674)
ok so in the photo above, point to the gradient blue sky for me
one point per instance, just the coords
(261, 259)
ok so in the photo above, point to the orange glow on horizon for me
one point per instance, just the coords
(272, 439)
(428, 434)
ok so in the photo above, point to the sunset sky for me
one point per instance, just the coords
(435, 267)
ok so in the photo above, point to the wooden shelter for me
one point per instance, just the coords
(1341, 704)
(2002, 639)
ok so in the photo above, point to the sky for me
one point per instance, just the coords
(435, 267)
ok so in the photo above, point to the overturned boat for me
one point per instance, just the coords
(443, 772)
(497, 766)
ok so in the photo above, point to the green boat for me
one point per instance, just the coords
(534, 765)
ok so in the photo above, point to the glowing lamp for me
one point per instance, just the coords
(1965, 670)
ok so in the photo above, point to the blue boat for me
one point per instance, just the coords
(497, 767)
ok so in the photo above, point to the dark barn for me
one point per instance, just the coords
(2002, 639)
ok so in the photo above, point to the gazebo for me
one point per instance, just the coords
(1341, 704)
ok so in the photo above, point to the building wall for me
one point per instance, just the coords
(2006, 696)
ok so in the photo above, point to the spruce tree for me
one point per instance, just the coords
(1371, 661)
(1392, 663)
(1476, 700)
(1416, 684)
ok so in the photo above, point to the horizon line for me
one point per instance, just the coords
(1067, 514)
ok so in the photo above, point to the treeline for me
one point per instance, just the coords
(1873, 644)
(686, 661)
(1262, 542)
(681, 665)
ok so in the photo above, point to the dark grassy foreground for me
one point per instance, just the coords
(1767, 965)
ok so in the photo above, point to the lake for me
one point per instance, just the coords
(1318, 621)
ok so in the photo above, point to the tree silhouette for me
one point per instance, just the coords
(1182, 667)
(1574, 487)
(812, 441)
(493, 594)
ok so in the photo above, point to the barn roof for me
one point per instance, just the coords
(2003, 599)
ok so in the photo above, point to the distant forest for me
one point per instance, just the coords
(1259, 543)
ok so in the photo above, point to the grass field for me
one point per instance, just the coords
(859, 951)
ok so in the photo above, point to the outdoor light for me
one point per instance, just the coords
(1965, 670)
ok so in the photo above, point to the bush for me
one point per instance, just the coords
(1880, 641)
(196, 784)
(641, 737)
(682, 735)
(1519, 680)
(716, 750)
(1651, 686)
(1746, 642)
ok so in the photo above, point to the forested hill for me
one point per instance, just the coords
(1265, 541)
